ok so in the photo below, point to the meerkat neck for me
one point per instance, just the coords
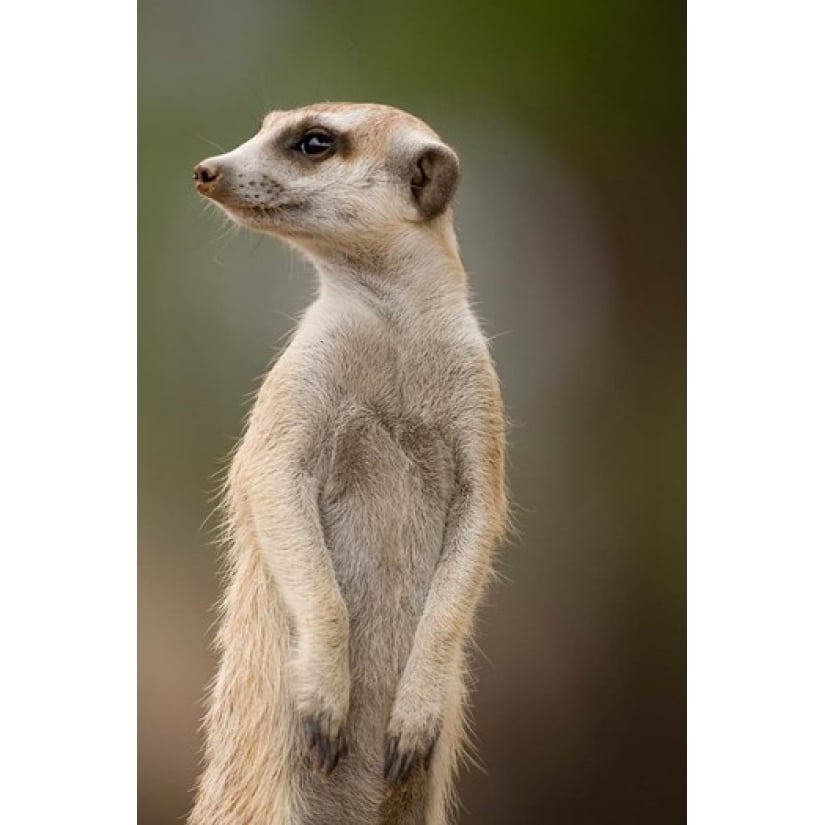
(416, 287)
(413, 270)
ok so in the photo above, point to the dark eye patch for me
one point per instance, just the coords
(315, 144)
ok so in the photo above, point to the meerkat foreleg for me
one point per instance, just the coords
(288, 530)
(434, 664)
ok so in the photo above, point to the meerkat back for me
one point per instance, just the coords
(366, 499)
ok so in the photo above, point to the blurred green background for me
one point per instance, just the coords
(569, 118)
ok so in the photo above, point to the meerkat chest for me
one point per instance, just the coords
(394, 430)
(375, 453)
(377, 414)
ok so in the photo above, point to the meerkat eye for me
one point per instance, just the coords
(315, 144)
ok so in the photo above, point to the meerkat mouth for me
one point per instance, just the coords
(248, 212)
(260, 217)
(257, 213)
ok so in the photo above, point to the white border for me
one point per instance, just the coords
(756, 413)
(68, 344)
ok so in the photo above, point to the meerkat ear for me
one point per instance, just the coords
(434, 178)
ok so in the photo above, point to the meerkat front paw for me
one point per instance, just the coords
(410, 741)
(327, 742)
(323, 689)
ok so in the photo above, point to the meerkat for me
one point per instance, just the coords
(366, 498)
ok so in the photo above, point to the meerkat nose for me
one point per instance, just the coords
(205, 175)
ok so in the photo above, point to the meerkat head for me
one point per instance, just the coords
(336, 178)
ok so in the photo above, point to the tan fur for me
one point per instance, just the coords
(367, 496)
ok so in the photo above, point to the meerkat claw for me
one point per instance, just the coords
(428, 754)
(325, 750)
(397, 769)
(399, 763)
(389, 755)
(311, 730)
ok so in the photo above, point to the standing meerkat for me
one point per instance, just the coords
(367, 496)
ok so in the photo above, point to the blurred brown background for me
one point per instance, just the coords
(570, 121)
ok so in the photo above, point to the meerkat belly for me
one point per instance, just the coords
(384, 508)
